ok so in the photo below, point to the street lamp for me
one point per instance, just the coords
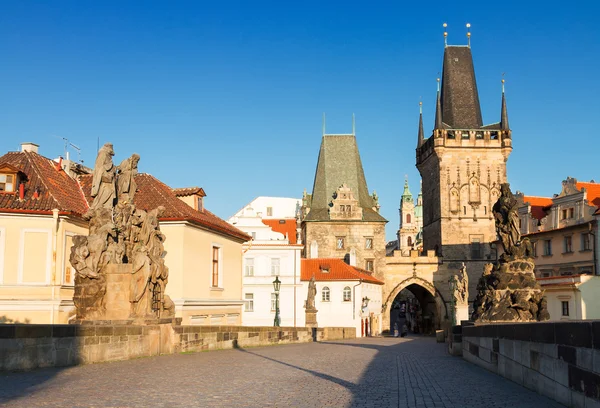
(276, 287)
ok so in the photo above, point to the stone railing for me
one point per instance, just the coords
(28, 346)
(560, 360)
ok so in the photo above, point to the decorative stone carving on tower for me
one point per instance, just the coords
(508, 290)
(344, 206)
(120, 268)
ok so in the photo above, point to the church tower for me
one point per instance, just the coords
(340, 217)
(407, 234)
(462, 165)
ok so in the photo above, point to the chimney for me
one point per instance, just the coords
(58, 164)
(29, 147)
(21, 191)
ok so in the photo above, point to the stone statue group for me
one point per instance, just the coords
(120, 233)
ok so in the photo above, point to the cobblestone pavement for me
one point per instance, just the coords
(374, 372)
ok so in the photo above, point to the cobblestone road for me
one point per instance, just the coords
(375, 372)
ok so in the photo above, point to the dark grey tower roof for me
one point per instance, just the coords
(421, 136)
(339, 163)
(459, 99)
(504, 114)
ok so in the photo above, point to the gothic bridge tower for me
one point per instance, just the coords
(462, 165)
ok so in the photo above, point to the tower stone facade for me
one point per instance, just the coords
(340, 219)
(462, 166)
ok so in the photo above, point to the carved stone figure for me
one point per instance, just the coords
(506, 215)
(461, 287)
(312, 293)
(103, 181)
(126, 185)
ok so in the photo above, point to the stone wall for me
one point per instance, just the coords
(558, 360)
(25, 347)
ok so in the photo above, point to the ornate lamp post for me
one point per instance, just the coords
(277, 287)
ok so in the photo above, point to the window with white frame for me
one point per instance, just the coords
(216, 260)
(273, 302)
(325, 294)
(585, 242)
(568, 244)
(347, 294)
(275, 266)
(369, 265)
(565, 307)
(249, 270)
(547, 247)
(7, 182)
(340, 242)
(368, 243)
(249, 298)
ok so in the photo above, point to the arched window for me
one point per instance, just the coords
(347, 294)
(408, 218)
(325, 294)
(409, 241)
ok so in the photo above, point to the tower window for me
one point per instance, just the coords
(340, 242)
(464, 209)
(408, 218)
(369, 243)
(409, 241)
(269, 211)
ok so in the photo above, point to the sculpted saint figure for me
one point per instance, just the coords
(103, 181)
(507, 219)
(312, 292)
(126, 185)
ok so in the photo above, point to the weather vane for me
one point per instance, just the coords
(445, 25)
(469, 35)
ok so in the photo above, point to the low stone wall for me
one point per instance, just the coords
(27, 346)
(560, 360)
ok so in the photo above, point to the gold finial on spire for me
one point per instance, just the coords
(445, 25)
(503, 82)
(438, 83)
(469, 35)
(420, 107)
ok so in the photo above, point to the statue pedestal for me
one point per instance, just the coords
(311, 318)
(104, 298)
(461, 312)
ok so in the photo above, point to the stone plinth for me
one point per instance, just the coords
(311, 318)
(508, 292)
(461, 312)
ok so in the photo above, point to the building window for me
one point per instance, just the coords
(273, 302)
(568, 244)
(545, 274)
(249, 298)
(340, 242)
(369, 265)
(199, 204)
(564, 215)
(534, 248)
(547, 247)
(269, 211)
(249, 271)
(342, 208)
(7, 183)
(325, 294)
(476, 252)
(409, 241)
(408, 218)
(275, 266)
(571, 213)
(568, 213)
(215, 270)
(464, 210)
(253, 234)
(347, 294)
(565, 308)
(369, 243)
(585, 242)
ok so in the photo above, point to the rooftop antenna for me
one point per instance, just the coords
(78, 152)
(445, 25)
(353, 126)
(323, 123)
(469, 35)
(66, 146)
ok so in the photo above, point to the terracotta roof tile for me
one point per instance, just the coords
(56, 189)
(287, 227)
(188, 191)
(152, 192)
(593, 192)
(538, 205)
(338, 271)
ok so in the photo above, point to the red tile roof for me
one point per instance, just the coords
(152, 192)
(188, 191)
(538, 205)
(338, 271)
(285, 227)
(593, 192)
(56, 189)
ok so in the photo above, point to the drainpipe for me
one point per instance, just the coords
(354, 298)
(54, 245)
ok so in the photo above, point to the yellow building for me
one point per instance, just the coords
(39, 219)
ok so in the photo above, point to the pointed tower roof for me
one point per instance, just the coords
(421, 136)
(438, 108)
(406, 194)
(504, 113)
(339, 163)
(459, 100)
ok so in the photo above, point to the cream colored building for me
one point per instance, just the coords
(572, 297)
(41, 208)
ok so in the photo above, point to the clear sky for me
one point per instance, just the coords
(229, 95)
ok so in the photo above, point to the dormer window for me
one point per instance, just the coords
(7, 182)
(200, 203)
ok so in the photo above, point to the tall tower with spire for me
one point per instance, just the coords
(407, 233)
(462, 165)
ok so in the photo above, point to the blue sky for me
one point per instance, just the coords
(229, 95)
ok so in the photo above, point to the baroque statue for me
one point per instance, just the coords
(120, 234)
(312, 293)
(460, 286)
(507, 290)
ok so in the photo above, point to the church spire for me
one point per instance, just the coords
(421, 137)
(504, 113)
(438, 108)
